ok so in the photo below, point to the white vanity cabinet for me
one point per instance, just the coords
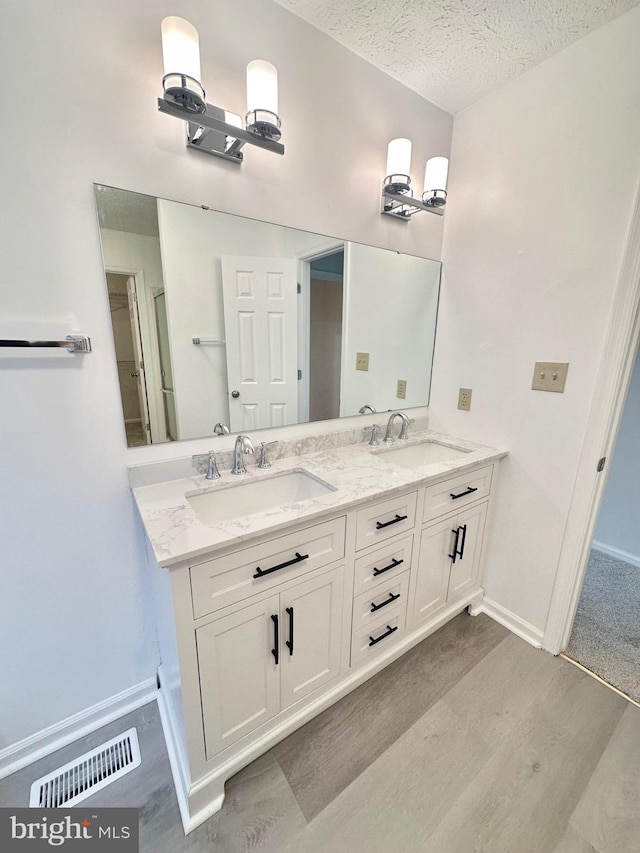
(271, 632)
(254, 661)
(454, 517)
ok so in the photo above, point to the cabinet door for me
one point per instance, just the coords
(311, 629)
(464, 571)
(432, 576)
(239, 678)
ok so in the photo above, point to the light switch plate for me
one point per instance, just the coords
(362, 361)
(401, 391)
(464, 399)
(550, 376)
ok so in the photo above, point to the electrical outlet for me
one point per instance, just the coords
(550, 376)
(362, 361)
(464, 399)
(401, 391)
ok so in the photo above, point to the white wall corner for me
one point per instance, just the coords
(46, 741)
(525, 630)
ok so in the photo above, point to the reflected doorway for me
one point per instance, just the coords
(127, 339)
(326, 297)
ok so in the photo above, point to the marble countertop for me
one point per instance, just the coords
(357, 473)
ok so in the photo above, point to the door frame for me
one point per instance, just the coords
(612, 385)
(150, 349)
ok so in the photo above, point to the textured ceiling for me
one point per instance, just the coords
(121, 210)
(453, 52)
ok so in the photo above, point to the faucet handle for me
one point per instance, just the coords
(212, 467)
(374, 441)
(263, 461)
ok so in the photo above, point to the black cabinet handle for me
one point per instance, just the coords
(387, 633)
(455, 544)
(464, 539)
(260, 573)
(275, 651)
(391, 565)
(469, 491)
(381, 524)
(382, 604)
(289, 642)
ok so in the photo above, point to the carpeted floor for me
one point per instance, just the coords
(606, 633)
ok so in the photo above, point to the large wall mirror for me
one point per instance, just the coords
(224, 321)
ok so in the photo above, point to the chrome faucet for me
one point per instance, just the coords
(243, 445)
(221, 429)
(366, 408)
(404, 430)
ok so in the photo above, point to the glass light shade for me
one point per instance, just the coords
(180, 47)
(435, 174)
(262, 86)
(234, 119)
(399, 157)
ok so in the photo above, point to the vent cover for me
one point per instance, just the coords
(92, 771)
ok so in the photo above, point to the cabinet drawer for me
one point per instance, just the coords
(383, 565)
(369, 642)
(375, 604)
(452, 495)
(218, 583)
(385, 519)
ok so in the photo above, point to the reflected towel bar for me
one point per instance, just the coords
(72, 343)
(207, 341)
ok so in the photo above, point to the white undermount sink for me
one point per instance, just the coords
(225, 503)
(418, 455)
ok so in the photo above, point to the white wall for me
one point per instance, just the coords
(618, 526)
(74, 623)
(379, 302)
(544, 176)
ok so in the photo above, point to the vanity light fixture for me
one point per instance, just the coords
(211, 128)
(397, 197)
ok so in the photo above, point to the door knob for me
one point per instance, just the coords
(235, 394)
(135, 374)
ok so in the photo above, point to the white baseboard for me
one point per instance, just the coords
(514, 623)
(46, 741)
(625, 556)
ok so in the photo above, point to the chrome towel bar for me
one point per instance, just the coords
(72, 343)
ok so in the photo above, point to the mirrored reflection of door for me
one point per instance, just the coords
(126, 334)
(260, 316)
(166, 375)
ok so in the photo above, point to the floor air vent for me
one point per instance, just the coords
(92, 771)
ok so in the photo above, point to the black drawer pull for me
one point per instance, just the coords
(464, 539)
(455, 544)
(391, 565)
(381, 524)
(469, 491)
(382, 604)
(387, 633)
(289, 643)
(275, 651)
(260, 573)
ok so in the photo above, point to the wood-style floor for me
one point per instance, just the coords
(473, 741)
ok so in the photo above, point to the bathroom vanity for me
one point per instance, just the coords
(345, 558)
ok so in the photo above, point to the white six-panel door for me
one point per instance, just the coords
(260, 316)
